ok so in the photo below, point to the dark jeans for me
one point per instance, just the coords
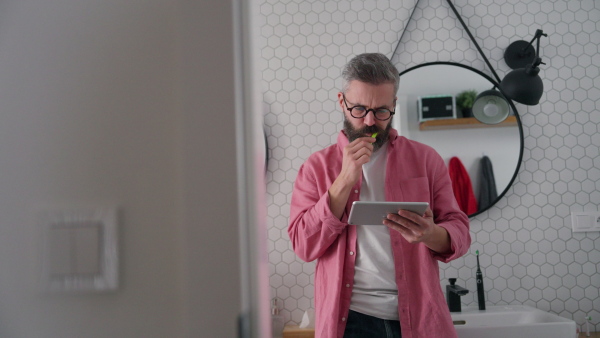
(360, 325)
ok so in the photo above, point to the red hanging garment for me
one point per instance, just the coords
(461, 184)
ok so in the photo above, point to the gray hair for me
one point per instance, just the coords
(372, 68)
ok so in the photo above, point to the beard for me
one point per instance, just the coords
(382, 136)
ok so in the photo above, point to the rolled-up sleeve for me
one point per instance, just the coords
(449, 216)
(313, 227)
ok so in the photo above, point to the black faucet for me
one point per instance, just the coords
(453, 293)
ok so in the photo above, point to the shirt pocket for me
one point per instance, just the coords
(415, 190)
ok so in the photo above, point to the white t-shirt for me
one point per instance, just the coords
(375, 292)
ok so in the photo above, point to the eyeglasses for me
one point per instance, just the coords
(382, 114)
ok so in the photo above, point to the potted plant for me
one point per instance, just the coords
(465, 100)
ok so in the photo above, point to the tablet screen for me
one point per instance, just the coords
(373, 213)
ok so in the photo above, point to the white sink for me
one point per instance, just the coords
(511, 321)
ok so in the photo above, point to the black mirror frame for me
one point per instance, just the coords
(512, 105)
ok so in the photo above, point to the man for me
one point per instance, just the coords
(376, 281)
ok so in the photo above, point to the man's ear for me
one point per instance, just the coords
(341, 102)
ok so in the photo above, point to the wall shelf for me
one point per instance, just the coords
(464, 123)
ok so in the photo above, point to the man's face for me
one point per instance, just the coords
(372, 97)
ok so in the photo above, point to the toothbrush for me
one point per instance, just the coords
(374, 135)
(479, 279)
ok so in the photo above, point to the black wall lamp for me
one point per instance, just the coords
(523, 84)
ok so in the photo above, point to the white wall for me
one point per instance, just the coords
(107, 102)
(209, 186)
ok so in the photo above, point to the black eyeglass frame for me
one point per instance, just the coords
(368, 110)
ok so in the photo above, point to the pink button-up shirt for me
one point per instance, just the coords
(415, 172)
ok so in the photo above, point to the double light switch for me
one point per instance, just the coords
(74, 248)
(80, 250)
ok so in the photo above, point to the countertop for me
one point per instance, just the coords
(296, 332)
(293, 331)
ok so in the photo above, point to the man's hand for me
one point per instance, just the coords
(355, 154)
(419, 229)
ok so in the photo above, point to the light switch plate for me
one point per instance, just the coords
(583, 221)
(79, 250)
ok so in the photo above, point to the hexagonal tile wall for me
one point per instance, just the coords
(528, 253)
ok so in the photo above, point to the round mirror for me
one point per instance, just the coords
(453, 135)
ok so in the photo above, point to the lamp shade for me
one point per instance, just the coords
(490, 107)
(523, 85)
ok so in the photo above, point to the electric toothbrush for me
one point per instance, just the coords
(479, 279)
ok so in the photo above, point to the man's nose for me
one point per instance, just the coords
(369, 119)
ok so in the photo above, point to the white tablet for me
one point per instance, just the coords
(373, 213)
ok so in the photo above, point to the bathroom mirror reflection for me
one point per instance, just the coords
(466, 139)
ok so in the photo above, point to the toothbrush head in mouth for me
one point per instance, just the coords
(374, 135)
